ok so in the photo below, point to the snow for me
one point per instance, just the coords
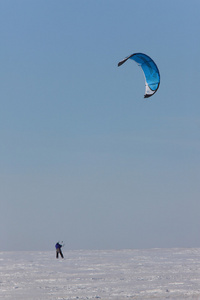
(101, 274)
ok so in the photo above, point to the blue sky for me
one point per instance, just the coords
(84, 157)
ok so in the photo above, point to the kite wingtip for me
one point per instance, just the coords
(147, 95)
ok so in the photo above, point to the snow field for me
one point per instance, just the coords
(101, 274)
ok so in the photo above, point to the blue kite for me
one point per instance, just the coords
(151, 72)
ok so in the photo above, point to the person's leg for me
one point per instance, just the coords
(61, 253)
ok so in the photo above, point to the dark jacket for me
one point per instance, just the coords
(58, 246)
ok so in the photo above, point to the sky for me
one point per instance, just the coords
(84, 158)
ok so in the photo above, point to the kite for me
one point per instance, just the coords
(150, 70)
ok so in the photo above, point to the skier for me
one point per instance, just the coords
(58, 250)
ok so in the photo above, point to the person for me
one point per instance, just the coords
(58, 250)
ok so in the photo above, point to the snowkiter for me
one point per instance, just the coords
(58, 250)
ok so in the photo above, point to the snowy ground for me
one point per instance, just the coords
(116, 275)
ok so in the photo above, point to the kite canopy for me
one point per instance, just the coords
(151, 72)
